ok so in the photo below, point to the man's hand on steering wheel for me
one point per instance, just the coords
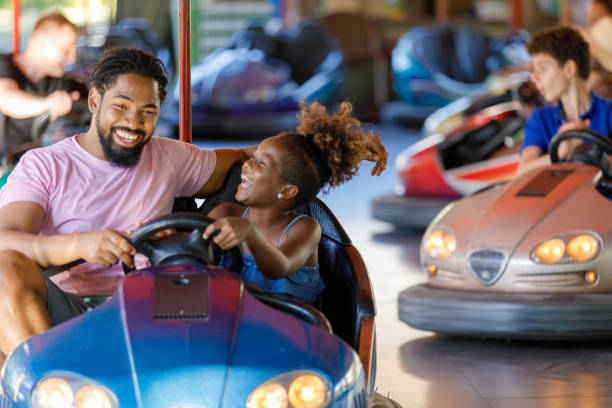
(105, 247)
(181, 248)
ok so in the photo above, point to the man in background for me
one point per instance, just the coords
(32, 82)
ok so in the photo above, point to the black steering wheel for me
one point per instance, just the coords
(594, 155)
(182, 248)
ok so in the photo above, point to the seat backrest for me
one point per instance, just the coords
(347, 299)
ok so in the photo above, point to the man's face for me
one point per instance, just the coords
(59, 49)
(125, 117)
(549, 77)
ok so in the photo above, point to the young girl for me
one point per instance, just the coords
(286, 171)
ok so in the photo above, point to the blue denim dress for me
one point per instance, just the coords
(305, 283)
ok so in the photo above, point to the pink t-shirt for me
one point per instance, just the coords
(82, 193)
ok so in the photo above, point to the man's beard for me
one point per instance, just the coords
(119, 155)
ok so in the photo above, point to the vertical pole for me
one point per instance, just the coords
(517, 15)
(441, 11)
(185, 71)
(16, 13)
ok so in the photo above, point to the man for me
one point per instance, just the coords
(31, 82)
(74, 199)
(560, 69)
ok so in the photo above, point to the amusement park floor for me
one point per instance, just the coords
(421, 370)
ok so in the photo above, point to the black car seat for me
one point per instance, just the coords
(348, 292)
(457, 52)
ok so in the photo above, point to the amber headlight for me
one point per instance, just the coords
(550, 251)
(295, 389)
(440, 244)
(567, 248)
(62, 390)
(583, 247)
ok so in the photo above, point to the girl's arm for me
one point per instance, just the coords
(299, 244)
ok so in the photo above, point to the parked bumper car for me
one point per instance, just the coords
(528, 259)
(433, 66)
(482, 149)
(253, 86)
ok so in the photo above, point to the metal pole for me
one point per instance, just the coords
(517, 15)
(185, 71)
(441, 11)
(16, 13)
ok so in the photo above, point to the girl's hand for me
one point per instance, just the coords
(376, 153)
(232, 231)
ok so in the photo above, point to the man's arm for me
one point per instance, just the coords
(20, 223)
(225, 160)
(19, 104)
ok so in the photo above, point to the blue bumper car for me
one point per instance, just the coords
(253, 86)
(433, 66)
(183, 333)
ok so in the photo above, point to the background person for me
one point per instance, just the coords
(598, 35)
(32, 83)
(560, 70)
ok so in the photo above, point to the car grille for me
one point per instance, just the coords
(449, 276)
(550, 281)
(487, 265)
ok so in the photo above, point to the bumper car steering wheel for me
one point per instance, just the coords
(594, 155)
(183, 248)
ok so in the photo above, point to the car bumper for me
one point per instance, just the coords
(408, 211)
(507, 315)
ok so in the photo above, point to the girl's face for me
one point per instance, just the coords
(261, 174)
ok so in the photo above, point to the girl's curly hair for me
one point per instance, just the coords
(324, 151)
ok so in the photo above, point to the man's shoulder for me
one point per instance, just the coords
(172, 146)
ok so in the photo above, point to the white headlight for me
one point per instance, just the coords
(440, 244)
(53, 393)
(63, 390)
(300, 388)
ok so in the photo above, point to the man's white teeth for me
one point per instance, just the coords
(126, 135)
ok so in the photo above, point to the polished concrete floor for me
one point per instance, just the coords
(422, 370)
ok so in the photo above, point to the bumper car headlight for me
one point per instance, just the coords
(440, 244)
(550, 251)
(582, 248)
(301, 388)
(62, 390)
(567, 248)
